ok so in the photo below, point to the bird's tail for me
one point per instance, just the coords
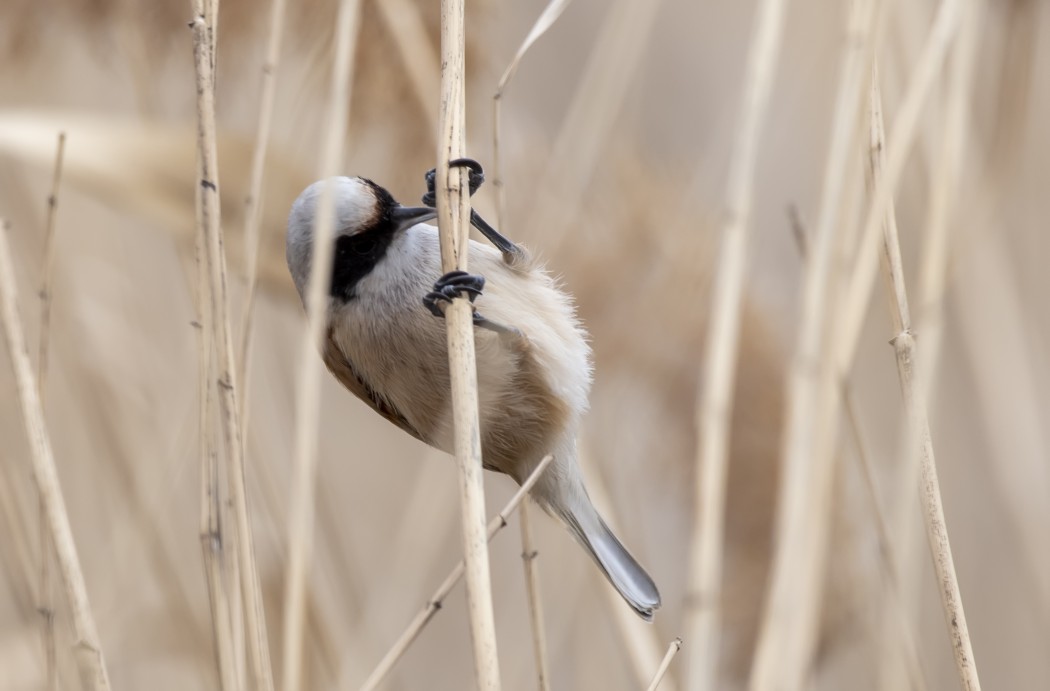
(622, 570)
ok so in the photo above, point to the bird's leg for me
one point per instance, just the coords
(456, 283)
(512, 253)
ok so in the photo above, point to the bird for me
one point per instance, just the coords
(385, 341)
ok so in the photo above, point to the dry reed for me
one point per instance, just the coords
(788, 634)
(665, 663)
(905, 129)
(529, 553)
(208, 217)
(218, 545)
(217, 559)
(920, 86)
(87, 648)
(308, 389)
(703, 609)
(621, 175)
(545, 21)
(903, 636)
(435, 601)
(453, 207)
(45, 598)
(915, 384)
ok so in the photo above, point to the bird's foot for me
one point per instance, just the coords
(474, 179)
(450, 286)
(513, 255)
(457, 284)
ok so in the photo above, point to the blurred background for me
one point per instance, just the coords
(615, 144)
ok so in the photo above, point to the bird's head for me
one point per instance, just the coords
(366, 219)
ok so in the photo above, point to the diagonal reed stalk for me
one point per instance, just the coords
(308, 390)
(905, 128)
(453, 207)
(87, 648)
(715, 395)
(916, 374)
(903, 636)
(665, 663)
(545, 21)
(788, 632)
(45, 598)
(208, 219)
(435, 601)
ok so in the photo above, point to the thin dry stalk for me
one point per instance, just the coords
(435, 602)
(48, 271)
(715, 395)
(213, 547)
(906, 122)
(547, 18)
(915, 387)
(87, 648)
(253, 203)
(788, 632)
(903, 636)
(858, 293)
(672, 650)
(308, 391)
(545, 21)
(45, 598)
(453, 207)
(208, 218)
(529, 553)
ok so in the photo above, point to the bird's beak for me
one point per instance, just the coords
(407, 216)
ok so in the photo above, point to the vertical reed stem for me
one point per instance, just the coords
(208, 217)
(532, 589)
(788, 632)
(715, 396)
(915, 386)
(453, 205)
(45, 604)
(308, 390)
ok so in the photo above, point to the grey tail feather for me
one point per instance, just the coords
(623, 571)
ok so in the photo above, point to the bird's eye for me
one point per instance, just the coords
(364, 245)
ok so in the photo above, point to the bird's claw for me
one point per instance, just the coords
(474, 180)
(450, 286)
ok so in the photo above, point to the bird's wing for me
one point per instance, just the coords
(343, 370)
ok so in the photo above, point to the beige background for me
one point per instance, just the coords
(614, 173)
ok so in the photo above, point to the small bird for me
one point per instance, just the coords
(386, 343)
